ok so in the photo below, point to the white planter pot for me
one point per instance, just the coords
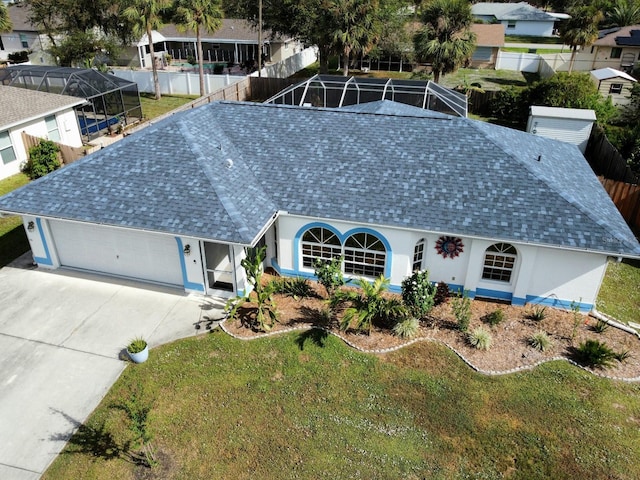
(140, 356)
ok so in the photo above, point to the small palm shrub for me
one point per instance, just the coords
(442, 293)
(601, 326)
(418, 293)
(406, 328)
(540, 341)
(595, 354)
(538, 314)
(480, 339)
(494, 318)
(461, 307)
(296, 287)
(622, 356)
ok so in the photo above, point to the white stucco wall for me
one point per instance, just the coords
(541, 275)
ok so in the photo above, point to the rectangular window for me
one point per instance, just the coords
(616, 52)
(615, 88)
(23, 41)
(52, 128)
(511, 25)
(6, 149)
(498, 267)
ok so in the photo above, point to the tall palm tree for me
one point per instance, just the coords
(580, 30)
(5, 21)
(625, 12)
(446, 40)
(145, 16)
(195, 15)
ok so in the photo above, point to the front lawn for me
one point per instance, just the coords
(13, 240)
(152, 108)
(619, 294)
(306, 406)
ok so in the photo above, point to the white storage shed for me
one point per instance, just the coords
(571, 125)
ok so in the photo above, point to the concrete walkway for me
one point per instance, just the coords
(62, 335)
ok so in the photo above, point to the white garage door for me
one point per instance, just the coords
(127, 253)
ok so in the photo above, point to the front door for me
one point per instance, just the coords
(219, 269)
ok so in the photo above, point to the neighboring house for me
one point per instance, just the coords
(571, 125)
(236, 41)
(24, 36)
(489, 40)
(619, 49)
(516, 18)
(613, 83)
(40, 114)
(496, 212)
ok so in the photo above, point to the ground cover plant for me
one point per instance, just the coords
(271, 409)
(13, 240)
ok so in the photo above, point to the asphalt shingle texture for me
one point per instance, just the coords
(220, 172)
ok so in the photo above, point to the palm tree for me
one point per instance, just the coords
(625, 12)
(195, 15)
(5, 21)
(446, 40)
(580, 30)
(145, 16)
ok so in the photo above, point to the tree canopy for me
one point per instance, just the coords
(5, 21)
(446, 40)
(580, 30)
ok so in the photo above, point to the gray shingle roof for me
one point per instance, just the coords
(20, 104)
(449, 175)
(511, 11)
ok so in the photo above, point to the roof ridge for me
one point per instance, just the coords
(566, 198)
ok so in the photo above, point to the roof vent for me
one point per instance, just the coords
(539, 157)
(229, 163)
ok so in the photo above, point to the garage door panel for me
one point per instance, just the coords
(120, 252)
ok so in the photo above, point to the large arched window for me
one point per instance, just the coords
(364, 254)
(499, 260)
(321, 243)
(418, 255)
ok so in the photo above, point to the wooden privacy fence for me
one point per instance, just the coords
(626, 197)
(68, 154)
(605, 160)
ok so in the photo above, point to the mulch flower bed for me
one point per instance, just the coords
(510, 347)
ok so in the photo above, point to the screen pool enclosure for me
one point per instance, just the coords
(333, 91)
(110, 100)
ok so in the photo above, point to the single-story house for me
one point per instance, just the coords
(236, 41)
(496, 212)
(41, 114)
(516, 18)
(23, 36)
(489, 40)
(613, 83)
(617, 48)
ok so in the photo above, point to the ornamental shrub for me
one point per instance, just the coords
(442, 293)
(329, 274)
(595, 354)
(495, 317)
(43, 158)
(406, 328)
(418, 293)
(540, 341)
(461, 307)
(480, 339)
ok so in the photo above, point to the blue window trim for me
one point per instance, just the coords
(185, 280)
(342, 237)
(46, 260)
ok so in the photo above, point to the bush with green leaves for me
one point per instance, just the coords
(595, 354)
(442, 293)
(296, 287)
(539, 313)
(494, 318)
(480, 339)
(461, 306)
(540, 341)
(329, 274)
(266, 313)
(43, 159)
(622, 356)
(406, 328)
(418, 293)
(601, 326)
(368, 306)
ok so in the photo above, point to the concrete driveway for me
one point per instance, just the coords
(61, 336)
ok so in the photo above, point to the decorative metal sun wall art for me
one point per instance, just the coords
(449, 246)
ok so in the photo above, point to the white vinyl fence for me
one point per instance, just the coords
(182, 83)
(520, 62)
(290, 65)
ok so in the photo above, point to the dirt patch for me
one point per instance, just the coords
(510, 347)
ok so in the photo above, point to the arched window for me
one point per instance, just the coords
(321, 243)
(364, 254)
(418, 255)
(499, 260)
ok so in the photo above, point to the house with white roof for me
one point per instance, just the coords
(517, 18)
(613, 83)
(389, 188)
(41, 114)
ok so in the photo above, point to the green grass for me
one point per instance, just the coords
(527, 39)
(539, 51)
(13, 240)
(619, 294)
(152, 108)
(307, 406)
